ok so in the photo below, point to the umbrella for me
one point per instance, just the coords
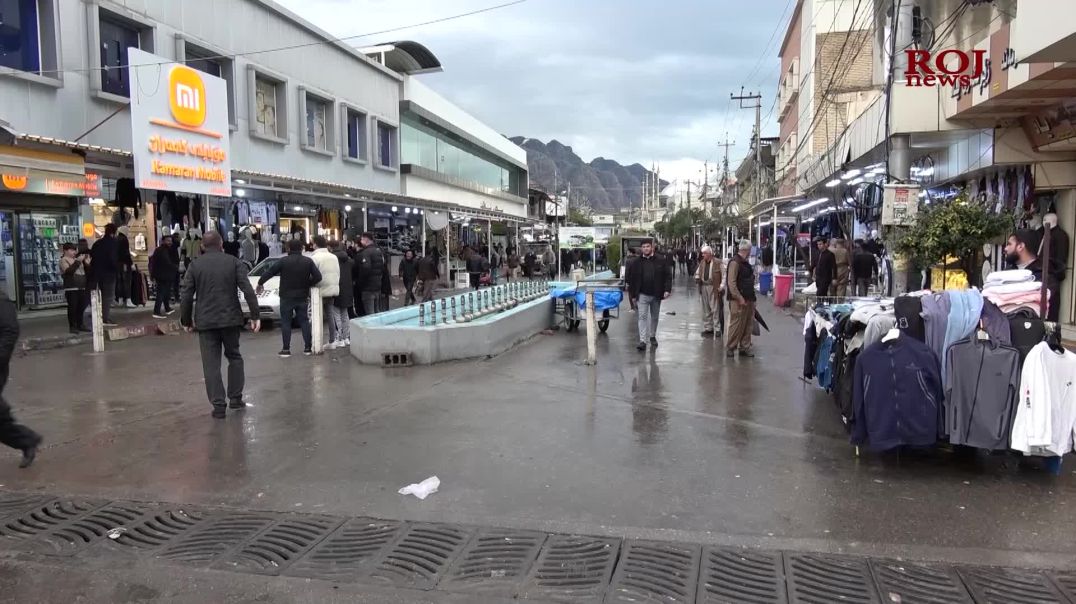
(720, 313)
(761, 321)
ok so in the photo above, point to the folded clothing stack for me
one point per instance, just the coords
(1013, 290)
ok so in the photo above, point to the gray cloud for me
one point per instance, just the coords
(633, 80)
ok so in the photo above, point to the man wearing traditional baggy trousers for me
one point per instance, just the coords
(708, 278)
(741, 288)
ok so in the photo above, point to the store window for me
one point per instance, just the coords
(387, 156)
(317, 111)
(268, 105)
(453, 157)
(355, 133)
(20, 35)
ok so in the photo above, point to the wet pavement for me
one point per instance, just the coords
(678, 444)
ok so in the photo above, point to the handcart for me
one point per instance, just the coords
(570, 302)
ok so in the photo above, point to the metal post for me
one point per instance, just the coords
(421, 315)
(433, 312)
(454, 309)
(365, 211)
(317, 320)
(773, 242)
(592, 330)
(444, 311)
(423, 243)
(95, 321)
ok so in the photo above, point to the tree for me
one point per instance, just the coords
(578, 218)
(957, 229)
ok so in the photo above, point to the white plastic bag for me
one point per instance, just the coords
(423, 489)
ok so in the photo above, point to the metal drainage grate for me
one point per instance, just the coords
(343, 555)
(918, 583)
(572, 567)
(14, 504)
(69, 538)
(46, 517)
(1066, 582)
(421, 556)
(214, 538)
(1009, 586)
(157, 530)
(822, 579)
(741, 576)
(494, 562)
(396, 359)
(656, 572)
(280, 545)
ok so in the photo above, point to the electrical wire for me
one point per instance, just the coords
(305, 44)
(765, 49)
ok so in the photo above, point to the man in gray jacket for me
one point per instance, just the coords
(214, 278)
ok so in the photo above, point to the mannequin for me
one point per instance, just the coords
(192, 246)
(274, 245)
(1057, 264)
(231, 246)
(249, 249)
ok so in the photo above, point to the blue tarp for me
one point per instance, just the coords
(604, 299)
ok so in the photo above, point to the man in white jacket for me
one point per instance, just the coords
(329, 267)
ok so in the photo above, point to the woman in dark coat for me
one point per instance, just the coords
(346, 298)
(409, 274)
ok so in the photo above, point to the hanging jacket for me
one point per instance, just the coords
(1046, 408)
(897, 395)
(981, 394)
(966, 308)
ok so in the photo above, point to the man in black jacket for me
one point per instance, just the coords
(864, 266)
(104, 260)
(298, 274)
(825, 268)
(426, 276)
(215, 277)
(649, 282)
(371, 269)
(12, 434)
(163, 268)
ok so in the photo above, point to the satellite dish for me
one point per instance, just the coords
(436, 220)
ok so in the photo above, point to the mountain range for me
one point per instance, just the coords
(604, 184)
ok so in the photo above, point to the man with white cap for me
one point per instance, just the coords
(708, 278)
(741, 287)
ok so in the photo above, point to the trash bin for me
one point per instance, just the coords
(765, 282)
(782, 292)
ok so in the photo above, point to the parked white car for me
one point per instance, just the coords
(269, 299)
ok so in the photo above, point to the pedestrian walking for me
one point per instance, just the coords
(649, 282)
(329, 285)
(125, 278)
(12, 434)
(163, 269)
(825, 268)
(475, 266)
(864, 266)
(215, 278)
(708, 277)
(297, 275)
(741, 294)
(372, 269)
(409, 274)
(843, 262)
(73, 265)
(104, 260)
(514, 272)
(345, 298)
(427, 274)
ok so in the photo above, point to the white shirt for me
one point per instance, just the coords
(1046, 407)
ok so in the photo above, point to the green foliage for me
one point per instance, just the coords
(959, 228)
(612, 252)
(578, 218)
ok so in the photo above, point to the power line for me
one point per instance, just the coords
(305, 44)
(765, 49)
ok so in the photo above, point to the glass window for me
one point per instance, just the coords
(116, 38)
(265, 102)
(20, 36)
(211, 66)
(386, 145)
(356, 134)
(316, 123)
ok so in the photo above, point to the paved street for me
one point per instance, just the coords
(681, 445)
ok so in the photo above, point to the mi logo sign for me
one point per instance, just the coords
(186, 96)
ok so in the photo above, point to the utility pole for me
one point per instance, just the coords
(725, 166)
(757, 98)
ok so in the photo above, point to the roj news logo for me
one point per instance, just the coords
(186, 96)
(949, 67)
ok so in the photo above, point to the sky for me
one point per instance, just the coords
(630, 80)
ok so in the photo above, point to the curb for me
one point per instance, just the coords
(114, 334)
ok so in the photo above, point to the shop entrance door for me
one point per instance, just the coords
(8, 275)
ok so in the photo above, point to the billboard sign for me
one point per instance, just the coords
(179, 127)
(577, 237)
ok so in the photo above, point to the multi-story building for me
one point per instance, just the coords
(314, 128)
(749, 189)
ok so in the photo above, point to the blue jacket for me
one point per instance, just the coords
(896, 395)
(967, 307)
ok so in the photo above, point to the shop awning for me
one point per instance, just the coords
(766, 206)
(317, 188)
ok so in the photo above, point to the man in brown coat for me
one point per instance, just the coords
(708, 278)
(840, 252)
(741, 288)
